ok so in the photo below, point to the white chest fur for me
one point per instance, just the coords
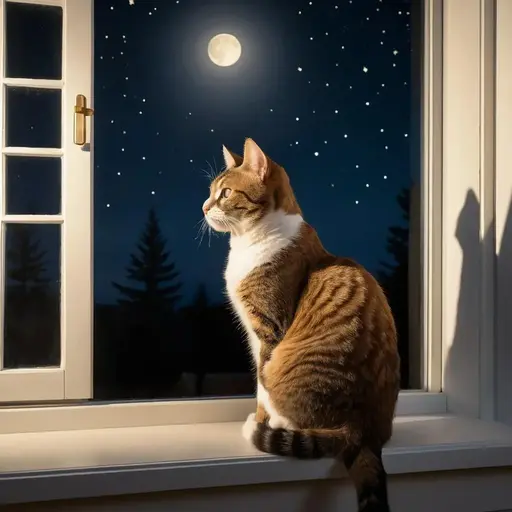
(251, 250)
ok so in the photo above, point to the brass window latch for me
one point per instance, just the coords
(82, 111)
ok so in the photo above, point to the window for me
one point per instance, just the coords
(44, 205)
(339, 94)
(332, 92)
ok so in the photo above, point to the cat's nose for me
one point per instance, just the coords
(206, 207)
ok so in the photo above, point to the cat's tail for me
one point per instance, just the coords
(363, 463)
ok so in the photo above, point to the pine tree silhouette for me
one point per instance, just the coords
(25, 259)
(32, 313)
(151, 269)
(394, 278)
(146, 366)
(398, 242)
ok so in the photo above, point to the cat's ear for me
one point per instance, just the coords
(256, 160)
(231, 159)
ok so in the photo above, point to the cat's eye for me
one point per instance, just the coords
(225, 193)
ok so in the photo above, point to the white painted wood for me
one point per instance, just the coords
(33, 219)
(172, 412)
(462, 259)
(38, 83)
(77, 278)
(487, 210)
(504, 210)
(458, 491)
(37, 152)
(109, 462)
(38, 384)
(431, 192)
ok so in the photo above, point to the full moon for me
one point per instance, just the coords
(224, 50)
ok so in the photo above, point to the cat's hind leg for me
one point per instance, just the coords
(275, 420)
(260, 416)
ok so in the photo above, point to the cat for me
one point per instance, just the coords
(320, 329)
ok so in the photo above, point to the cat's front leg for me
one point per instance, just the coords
(260, 416)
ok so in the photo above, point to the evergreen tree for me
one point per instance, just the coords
(398, 243)
(151, 269)
(394, 278)
(25, 259)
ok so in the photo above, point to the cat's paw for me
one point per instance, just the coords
(249, 427)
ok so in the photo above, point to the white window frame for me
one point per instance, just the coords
(73, 379)
(503, 191)
(458, 156)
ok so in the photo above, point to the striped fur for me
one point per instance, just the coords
(320, 329)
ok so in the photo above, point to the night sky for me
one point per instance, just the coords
(324, 87)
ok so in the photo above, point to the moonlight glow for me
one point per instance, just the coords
(224, 50)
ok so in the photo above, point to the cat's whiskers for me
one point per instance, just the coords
(202, 230)
(206, 174)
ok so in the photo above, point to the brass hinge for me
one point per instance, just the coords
(81, 112)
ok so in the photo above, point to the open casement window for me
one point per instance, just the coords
(45, 272)
(46, 250)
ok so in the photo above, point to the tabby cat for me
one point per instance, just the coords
(319, 327)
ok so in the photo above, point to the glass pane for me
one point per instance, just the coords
(332, 94)
(33, 41)
(33, 185)
(33, 117)
(32, 296)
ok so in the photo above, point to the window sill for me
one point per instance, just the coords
(119, 461)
